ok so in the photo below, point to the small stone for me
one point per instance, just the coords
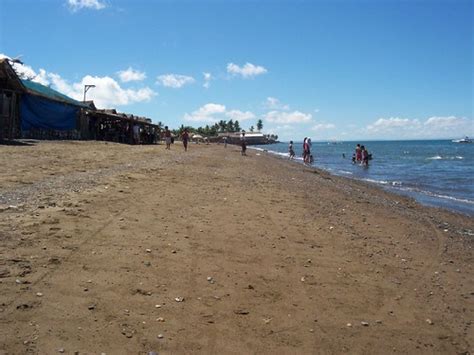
(160, 336)
(303, 279)
(148, 250)
(311, 330)
(160, 319)
(378, 321)
(18, 281)
(331, 228)
(147, 263)
(173, 251)
(157, 305)
(61, 350)
(91, 307)
(429, 321)
(39, 294)
(179, 299)
(365, 324)
(349, 325)
(209, 278)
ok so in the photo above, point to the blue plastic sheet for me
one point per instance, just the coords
(40, 113)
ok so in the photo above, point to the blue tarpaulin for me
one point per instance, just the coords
(40, 113)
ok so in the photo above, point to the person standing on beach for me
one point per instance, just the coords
(243, 144)
(167, 138)
(291, 151)
(307, 151)
(185, 139)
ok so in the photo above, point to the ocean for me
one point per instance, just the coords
(437, 172)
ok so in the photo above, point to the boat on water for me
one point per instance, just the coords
(463, 140)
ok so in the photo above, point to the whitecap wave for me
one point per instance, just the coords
(436, 157)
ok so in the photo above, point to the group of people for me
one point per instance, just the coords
(307, 156)
(361, 155)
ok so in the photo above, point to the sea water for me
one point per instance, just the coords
(438, 172)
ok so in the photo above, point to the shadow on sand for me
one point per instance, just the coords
(19, 142)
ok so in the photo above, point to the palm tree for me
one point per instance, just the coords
(259, 125)
(222, 125)
(251, 128)
(230, 126)
(236, 126)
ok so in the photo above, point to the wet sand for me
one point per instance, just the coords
(116, 249)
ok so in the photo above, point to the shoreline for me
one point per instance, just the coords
(110, 246)
(425, 198)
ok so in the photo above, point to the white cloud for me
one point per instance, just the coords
(206, 113)
(131, 75)
(240, 115)
(432, 127)
(287, 117)
(247, 71)
(175, 81)
(207, 80)
(76, 5)
(273, 103)
(215, 112)
(322, 126)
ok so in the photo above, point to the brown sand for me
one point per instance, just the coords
(103, 239)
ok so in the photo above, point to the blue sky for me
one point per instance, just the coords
(343, 70)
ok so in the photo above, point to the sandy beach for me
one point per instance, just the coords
(117, 249)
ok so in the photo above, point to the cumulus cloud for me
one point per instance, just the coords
(107, 92)
(432, 127)
(247, 71)
(174, 81)
(273, 103)
(131, 75)
(214, 112)
(322, 126)
(287, 117)
(207, 80)
(237, 115)
(76, 5)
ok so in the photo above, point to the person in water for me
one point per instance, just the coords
(358, 153)
(291, 151)
(365, 156)
(307, 151)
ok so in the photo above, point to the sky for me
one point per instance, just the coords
(329, 70)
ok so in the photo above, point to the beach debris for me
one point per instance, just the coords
(39, 294)
(160, 336)
(331, 228)
(303, 279)
(91, 307)
(267, 320)
(179, 299)
(157, 305)
(148, 250)
(365, 324)
(160, 319)
(429, 321)
(241, 312)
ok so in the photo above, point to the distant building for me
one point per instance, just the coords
(252, 138)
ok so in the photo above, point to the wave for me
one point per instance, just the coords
(439, 157)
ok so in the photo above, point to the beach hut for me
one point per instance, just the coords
(29, 109)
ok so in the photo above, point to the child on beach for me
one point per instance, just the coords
(167, 138)
(291, 151)
(185, 139)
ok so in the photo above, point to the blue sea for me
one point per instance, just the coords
(437, 173)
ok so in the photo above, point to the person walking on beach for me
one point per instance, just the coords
(167, 138)
(291, 151)
(243, 144)
(185, 139)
